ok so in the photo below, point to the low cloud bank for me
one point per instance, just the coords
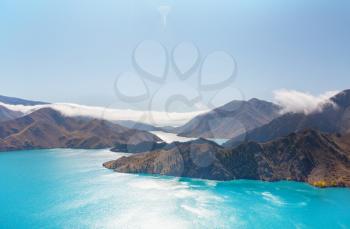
(289, 100)
(301, 102)
(156, 118)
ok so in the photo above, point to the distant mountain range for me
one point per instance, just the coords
(225, 122)
(17, 101)
(231, 120)
(334, 118)
(48, 128)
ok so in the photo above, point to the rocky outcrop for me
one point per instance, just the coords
(309, 156)
(48, 128)
(141, 147)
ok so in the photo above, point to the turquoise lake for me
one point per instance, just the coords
(65, 188)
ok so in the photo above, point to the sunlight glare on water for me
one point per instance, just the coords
(66, 188)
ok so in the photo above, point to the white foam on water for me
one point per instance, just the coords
(272, 198)
(184, 194)
(198, 211)
(157, 184)
(143, 217)
(211, 183)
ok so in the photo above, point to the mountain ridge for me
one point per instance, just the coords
(333, 118)
(48, 128)
(18, 101)
(231, 119)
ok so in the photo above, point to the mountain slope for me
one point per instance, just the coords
(6, 114)
(17, 101)
(334, 118)
(309, 156)
(138, 125)
(231, 120)
(47, 128)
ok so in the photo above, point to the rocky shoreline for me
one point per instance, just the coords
(322, 160)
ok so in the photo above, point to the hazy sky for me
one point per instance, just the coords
(73, 50)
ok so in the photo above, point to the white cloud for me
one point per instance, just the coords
(301, 102)
(150, 117)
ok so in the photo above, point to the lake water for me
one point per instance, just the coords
(65, 188)
(171, 137)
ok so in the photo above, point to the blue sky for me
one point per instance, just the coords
(72, 51)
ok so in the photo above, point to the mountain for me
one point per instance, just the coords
(144, 126)
(48, 128)
(310, 156)
(334, 118)
(17, 101)
(6, 114)
(231, 120)
(138, 125)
